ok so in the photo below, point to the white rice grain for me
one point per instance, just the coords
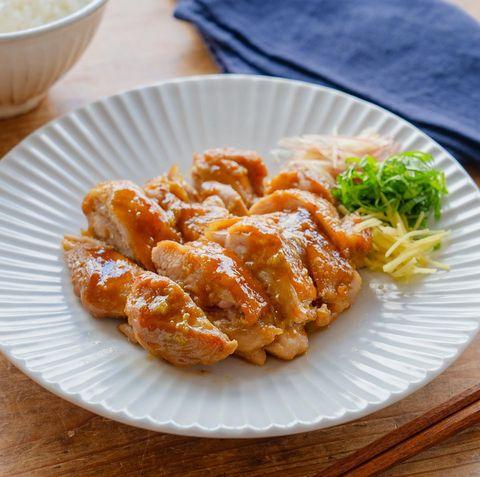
(17, 15)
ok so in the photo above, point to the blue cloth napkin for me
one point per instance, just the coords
(417, 58)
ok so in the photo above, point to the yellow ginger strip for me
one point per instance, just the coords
(398, 249)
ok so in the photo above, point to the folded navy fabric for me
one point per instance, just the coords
(417, 58)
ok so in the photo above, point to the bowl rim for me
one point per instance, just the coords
(83, 12)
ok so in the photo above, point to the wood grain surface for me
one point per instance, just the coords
(43, 436)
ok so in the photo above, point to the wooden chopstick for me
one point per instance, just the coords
(441, 422)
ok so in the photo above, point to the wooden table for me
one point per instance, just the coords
(42, 435)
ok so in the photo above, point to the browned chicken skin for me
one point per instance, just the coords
(340, 231)
(221, 285)
(101, 277)
(160, 187)
(243, 170)
(194, 220)
(231, 198)
(335, 278)
(120, 213)
(187, 215)
(171, 192)
(304, 174)
(168, 324)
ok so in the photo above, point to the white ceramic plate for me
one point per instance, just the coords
(393, 340)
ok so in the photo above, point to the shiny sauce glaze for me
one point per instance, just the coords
(248, 160)
(145, 222)
(164, 305)
(109, 278)
(222, 269)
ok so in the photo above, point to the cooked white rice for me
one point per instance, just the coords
(16, 15)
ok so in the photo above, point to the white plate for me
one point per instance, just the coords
(393, 340)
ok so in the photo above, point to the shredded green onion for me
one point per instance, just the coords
(405, 183)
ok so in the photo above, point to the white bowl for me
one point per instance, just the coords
(394, 339)
(32, 60)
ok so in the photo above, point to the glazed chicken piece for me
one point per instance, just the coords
(231, 198)
(101, 277)
(165, 321)
(277, 263)
(179, 185)
(189, 217)
(305, 174)
(171, 192)
(340, 231)
(214, 275)
(225, 289)
(336, 279)
(172, 183)
(120, 213)
(194, 220)
(243, 170)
